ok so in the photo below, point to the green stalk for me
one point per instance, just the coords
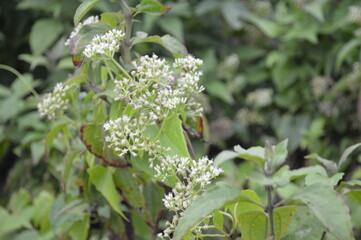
(126, 44)
(20, 76)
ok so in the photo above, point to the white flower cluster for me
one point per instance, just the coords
(354, 14)
(90, 20)
(248, 117)
(104, 45)
(125, 136)
(320, 85)
(260, 97)
(158, 90)
(193, 176)
(53, 104)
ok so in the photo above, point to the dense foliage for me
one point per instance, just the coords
(115, 147)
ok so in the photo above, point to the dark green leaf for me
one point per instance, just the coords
(151, 6)
(83, 8)
(43, 33)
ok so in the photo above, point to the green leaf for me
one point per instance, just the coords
(322, 179)
(280, 153)
(125, 181)
(152, 6)
(83, 8)
(346, 51)
(256, 154)
(19, 201)
(270, 29)
(329, 208)
(176, 48)
(329, 165)
(43, 33)
(173, 26)
(153, 195)
(225, 156)
(92, 137)
(116, 109)
(219, 89)
(253, 225)
(355, 195)
(52, 134)
(346, 153)
(215, 198)
(171, 136)
(79, 229)
(218, 219)
(241, 207)
(315, 8)
(282, 219)
(42, 207)
(103, 181)
(232, 11)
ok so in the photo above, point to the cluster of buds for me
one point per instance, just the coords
(260, 98)
(53, 104)
(320, 85)
(248, 117)
(104, 45)
(157, 89)
(126, 136)
(89, 21)
(354, 14)
(193, 176)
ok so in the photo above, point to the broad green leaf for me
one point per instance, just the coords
(52, 134)
(322, 179)
(346, 51)
(176, 48)
(241, 207)
(125, 181)
(284, 175)
(10, 223)
(153, 195)
(218, 219)
(282, 219)
(103, 181)
(225, 156)
(329, 165)
(43, 33)
(83, 8)
(173, 26)
(329, 208)
(315, 8)
(37, 151)
(19, 201)
(253, 225)
(92, 137)
(280, 153)
(79, 229)
(116, 109)
(269, 28)
(151, 6)
(219, 89)
(42, 207)
(215, 198)
(355, 195)
(256, 154)
(233, 11)
(346, 153)
(171, 135)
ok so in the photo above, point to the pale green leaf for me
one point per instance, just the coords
(282, 219)
(43, 33)
(253, 225)
(346, 153)
(225, 156)
(256, 154)
(83, 8)
(103, 181)
(329, 208)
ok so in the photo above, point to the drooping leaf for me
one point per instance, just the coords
(225, 156)
(215, 198)
(346, 153)
(329, 165)
(256, 154)
(152, 7)
(43, 33)
(124, 179)
(83, 8)
(103, 181)
(282, 219)
(176, 48)
(253, 225)
(329, 208)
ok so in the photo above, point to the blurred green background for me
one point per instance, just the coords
(272, 70)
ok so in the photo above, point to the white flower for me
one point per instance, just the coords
(192, 177)
(54, 104)
(90, 20)
(105, 44)
(354, 14)
(260, 97)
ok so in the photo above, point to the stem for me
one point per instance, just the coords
(125, 47)
(270, 208)
(20, 76)
(121, 68)
(189, 146)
